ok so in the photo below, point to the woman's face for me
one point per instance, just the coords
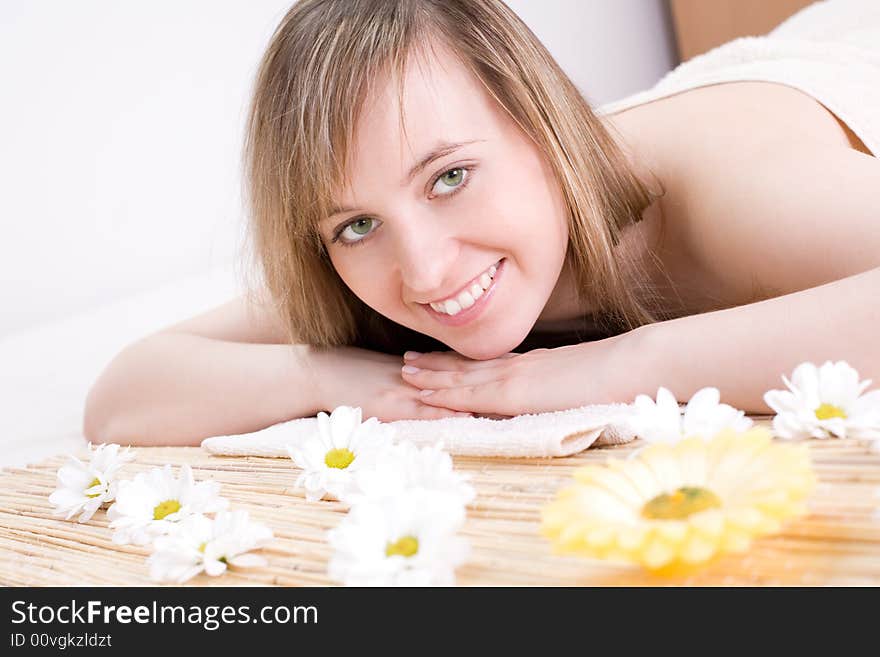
(466, 247)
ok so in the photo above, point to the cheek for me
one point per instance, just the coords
(528, 220)
(368, 279)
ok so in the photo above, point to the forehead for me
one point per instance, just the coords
(442, 102)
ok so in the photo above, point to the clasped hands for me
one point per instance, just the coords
(537, 381)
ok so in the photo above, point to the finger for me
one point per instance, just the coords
(449, 361)
(481, 399)
(426, 412)
(440, 379)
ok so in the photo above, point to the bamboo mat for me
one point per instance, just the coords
(837, 543)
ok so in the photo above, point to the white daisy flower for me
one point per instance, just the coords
(150, 504)
(823, 402)
(342, 446)
(665, 422)
(404, 467)
(405, 540)
(199, 544)
(85, 486)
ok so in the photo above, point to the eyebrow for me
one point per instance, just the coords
(441, 150)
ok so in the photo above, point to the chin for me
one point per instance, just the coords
(488, 349)
(480, 353)
(488, 342)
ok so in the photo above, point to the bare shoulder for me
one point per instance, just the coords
(250, 318)
(767, 192)
(746, 114)
(775, 217)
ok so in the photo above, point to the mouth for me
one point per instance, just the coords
(468, 304)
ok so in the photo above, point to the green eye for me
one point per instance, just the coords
(453, 179)
(453, 176)
(362, 226)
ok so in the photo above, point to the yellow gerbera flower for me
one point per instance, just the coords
(670, 507)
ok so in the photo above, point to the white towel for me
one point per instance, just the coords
(829, 50)
(558, 433)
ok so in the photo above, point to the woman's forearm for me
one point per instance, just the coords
(177, 389)
(744, 351)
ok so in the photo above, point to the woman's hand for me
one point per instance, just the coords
(534, 382)
(351, 376)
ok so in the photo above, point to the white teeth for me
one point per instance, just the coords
(452, 307)
(468, 297)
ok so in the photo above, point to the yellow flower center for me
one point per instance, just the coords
(165, 508)
(339, 458)
(95, 482)
(404, 547)
(827, 411)
(680, 504)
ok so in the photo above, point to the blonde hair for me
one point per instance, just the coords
(323, 62)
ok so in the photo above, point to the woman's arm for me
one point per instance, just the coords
(744, 351)
(230, 371)
(225, 371)
(798, 219)
(177, 389)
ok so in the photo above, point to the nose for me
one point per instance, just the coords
(426, 258)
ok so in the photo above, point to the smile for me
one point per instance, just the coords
(467, 303)
(468, 295)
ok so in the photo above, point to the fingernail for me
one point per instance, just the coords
(411, 355)
(425, 393)
(409, 369)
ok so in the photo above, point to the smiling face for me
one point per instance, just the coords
(470, 248)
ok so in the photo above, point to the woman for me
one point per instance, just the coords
(423, 177)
